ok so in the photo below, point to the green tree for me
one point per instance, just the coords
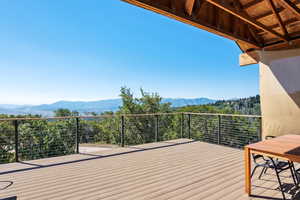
(62, 112)
(141, 129)
(148, 103)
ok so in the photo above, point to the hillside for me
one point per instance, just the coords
(246, 106)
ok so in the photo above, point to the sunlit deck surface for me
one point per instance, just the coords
(178, 169)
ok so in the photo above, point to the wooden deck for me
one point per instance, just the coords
(174, 170)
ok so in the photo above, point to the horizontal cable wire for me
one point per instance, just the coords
(57, 136)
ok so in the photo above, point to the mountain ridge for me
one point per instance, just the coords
(90, 106)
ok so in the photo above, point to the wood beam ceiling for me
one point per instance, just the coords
(252, 3)
(267, 14)
(189, 5)
(239, 7)
(291, 6)
(224, 6)
(278, 18)
(278, 10)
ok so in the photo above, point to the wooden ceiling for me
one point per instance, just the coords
(253, 24)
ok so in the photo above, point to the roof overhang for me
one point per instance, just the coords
(253, 24)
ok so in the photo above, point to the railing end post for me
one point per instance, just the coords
(260, 129)
(189, 125)
(156, 127)
(219, 129)
(16, 124)
(122, 131)
(182, 125)
(77, 139)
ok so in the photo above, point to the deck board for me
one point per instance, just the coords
(175, 170)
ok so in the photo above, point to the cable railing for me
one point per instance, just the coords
(229, 130)
(23, 139)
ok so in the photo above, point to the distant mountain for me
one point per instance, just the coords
(188, 102)
(89, 106)
(11, 106)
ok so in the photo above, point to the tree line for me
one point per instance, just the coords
(47, 138)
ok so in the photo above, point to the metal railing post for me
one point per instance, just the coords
(16, 124)
(77, 138)
(181, 124)
(189, 125)
(156, 127)
(122, 131)
(219, 129)
(260, 138)
(206, 128)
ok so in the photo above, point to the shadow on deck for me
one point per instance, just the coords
(179, 169)
(56, 161)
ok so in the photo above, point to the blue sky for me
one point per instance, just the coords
(86, 50)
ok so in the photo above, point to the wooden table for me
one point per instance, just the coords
(284, 147)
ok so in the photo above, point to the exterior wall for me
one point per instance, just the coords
(280, 92)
